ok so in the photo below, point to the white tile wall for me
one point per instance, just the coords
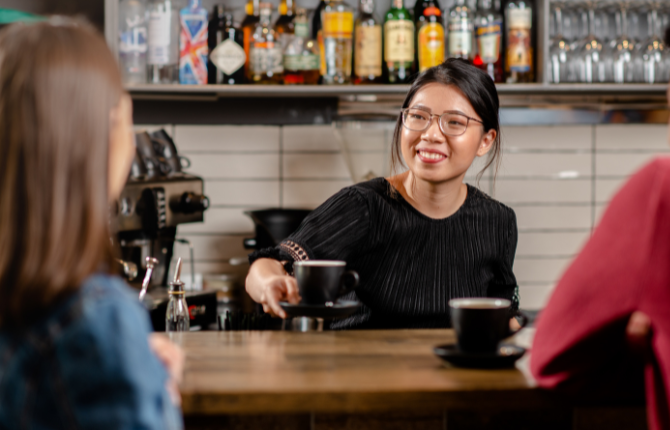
(539, 270)
(631, 137)
(546, 165)
(310, 194)
(553, 217)
(221, 138)
(321, 166)
(247, 193)
(621, 165)
(555, 245)
(548, 137)
(547, 176)
(543, 191)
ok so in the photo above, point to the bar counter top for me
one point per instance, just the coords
(347, 371)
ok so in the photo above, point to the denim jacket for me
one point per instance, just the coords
(86, 365)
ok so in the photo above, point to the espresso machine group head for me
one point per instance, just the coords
(156, 199)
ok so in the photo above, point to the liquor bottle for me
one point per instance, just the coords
(337, 19)
(193, 44)
(248, 26)
(284, 26)
(367, 45)
(133, 41)
(265, 51)
(430, 35)
(301, 57)
(488, 40)
(519, 51)
(398, 44)
(461, 25)
(226, 55)
(317, 34)
(163, 41)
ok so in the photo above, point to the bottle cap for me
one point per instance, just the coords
(219, 10)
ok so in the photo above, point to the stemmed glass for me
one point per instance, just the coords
(559, 49)
(651, 58)
(588, 57)
(622, 50)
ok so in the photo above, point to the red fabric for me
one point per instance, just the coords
(624, 267)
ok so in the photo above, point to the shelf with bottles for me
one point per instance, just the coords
(180, 41)
(371, 49)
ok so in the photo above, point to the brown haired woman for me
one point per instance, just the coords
(74, 349)
(420, 238)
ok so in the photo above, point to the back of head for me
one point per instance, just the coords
(58, 84)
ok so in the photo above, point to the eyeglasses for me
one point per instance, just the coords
(451, 123)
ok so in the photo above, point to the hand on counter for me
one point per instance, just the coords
(172, 358)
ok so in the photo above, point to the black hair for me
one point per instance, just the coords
(667, 37)
(478, 88)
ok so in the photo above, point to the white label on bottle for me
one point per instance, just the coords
(228, 56)
(159, 37)
(460, 38)
(133, 41)
(519, 18)
(266, 59)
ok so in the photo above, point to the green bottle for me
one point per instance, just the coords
(398, 44)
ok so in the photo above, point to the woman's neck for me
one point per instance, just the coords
(437, 201)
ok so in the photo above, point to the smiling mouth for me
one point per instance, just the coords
(431, 155)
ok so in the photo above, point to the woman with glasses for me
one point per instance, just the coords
(421, 237)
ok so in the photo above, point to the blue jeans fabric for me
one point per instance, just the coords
(86, 365)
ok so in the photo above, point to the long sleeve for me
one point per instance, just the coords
(504, 283)
(624, 267)
(336, 230)
(114, 381)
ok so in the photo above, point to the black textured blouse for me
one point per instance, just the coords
(409, 265)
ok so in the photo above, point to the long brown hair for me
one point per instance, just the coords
(58, 85)
(479, 89)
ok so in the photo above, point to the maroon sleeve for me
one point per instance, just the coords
(581, 333)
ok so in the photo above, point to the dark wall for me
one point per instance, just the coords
(94, 10)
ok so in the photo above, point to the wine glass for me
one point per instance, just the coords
(652, 57)
(559, 49)
(588, 58)
(622, 49)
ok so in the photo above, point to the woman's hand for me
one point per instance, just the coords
(277, 289)
(268, 284)
(638, 333)
(172, 358)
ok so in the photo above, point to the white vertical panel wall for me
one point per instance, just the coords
(558, 179)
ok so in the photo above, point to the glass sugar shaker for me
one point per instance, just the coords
(177, 317)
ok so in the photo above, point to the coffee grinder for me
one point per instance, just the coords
(156, 199)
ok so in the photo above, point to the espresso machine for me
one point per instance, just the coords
(156, 199)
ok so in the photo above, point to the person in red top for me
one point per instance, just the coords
(614, 301)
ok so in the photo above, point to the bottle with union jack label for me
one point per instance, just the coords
(193, 44)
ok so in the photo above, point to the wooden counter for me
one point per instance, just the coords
(351, 373)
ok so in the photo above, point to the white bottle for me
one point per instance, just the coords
(133, 41)
(163, 53)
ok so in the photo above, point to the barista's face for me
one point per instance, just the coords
(121, 145)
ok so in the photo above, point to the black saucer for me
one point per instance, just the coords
(339, 309)
(505, 356)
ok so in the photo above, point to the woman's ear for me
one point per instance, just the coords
(488, 139)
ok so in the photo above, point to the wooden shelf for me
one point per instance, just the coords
(537, 95)
(385, 90)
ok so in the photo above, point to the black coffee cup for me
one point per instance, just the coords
(323, 281)
(481, 323)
